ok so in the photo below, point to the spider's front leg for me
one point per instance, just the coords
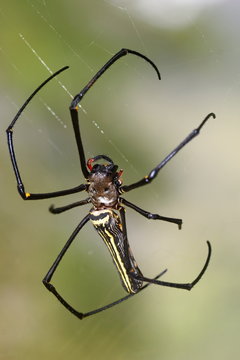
(20, 186)
(78, 98)
(147, 179)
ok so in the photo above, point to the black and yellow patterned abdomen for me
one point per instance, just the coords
(109, 226)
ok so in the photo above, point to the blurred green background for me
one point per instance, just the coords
(135, 119)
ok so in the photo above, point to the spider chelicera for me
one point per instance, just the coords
(104, 188)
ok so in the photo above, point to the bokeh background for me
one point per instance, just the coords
(135, 119)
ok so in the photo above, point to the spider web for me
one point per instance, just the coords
(136, 120)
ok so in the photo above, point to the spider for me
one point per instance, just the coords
(104, 188)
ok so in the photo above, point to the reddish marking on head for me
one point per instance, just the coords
(120, 172)
(89, 163)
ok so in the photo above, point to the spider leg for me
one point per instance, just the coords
(59, 210)
(92, 312)
(52, 289)
(185, 286)
(31, 196)
(151, 216)
(20, 186)
(48, 277)
(74, 104)
(147, 179)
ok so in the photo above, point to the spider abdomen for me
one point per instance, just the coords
(109, 226)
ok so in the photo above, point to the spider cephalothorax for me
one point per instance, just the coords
(103, 183)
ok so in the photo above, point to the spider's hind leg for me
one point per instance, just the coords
(184, 286)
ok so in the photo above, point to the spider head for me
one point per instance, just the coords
(107, 170)
(104, 181)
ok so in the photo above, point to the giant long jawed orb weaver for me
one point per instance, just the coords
(104, 188)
